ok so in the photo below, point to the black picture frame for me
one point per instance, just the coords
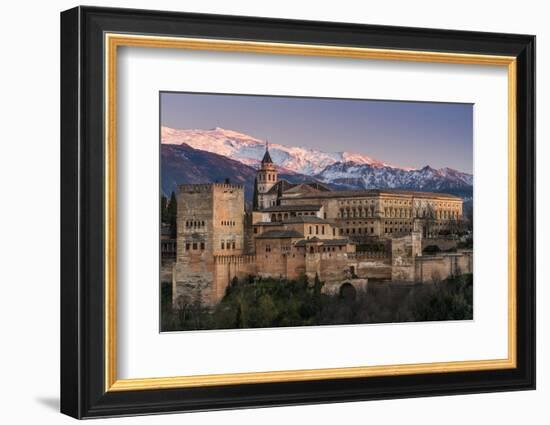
(83, 392)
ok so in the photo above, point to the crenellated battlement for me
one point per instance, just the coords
(209, 187)
(368, 255)
(234, 259)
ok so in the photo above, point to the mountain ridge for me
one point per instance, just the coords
(340, 170)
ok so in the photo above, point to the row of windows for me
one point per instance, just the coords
(359, 231)
(267, 177)
(286, 249)
(194, 223)
(228, 245)
(322, 228)
(346, 213)
(401, 212)
(369, 201)
(396, 202)
(397, 229)
(194, 246)
(227, 223)
(284, 216)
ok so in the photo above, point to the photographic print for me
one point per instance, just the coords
(280, 211)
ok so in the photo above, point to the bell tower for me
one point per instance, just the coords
(267, 174)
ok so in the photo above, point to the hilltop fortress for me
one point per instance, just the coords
(344, 238)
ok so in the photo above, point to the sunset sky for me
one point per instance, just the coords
(412, 134)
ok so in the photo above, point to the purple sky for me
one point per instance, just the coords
(411, 134)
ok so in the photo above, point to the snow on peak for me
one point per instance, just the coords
(250, 150)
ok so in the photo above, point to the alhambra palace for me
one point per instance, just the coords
(344, 238)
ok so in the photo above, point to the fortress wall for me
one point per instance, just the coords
(313, 265)
(228, 267)
(334, 266)
(192, 280)
(295, 265)
(443, 243)
(404, 253)
(373, 269)
(270, 261)
(434, 268)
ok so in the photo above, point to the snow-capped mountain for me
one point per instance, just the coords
(340, 170)
(364, 176)
(183, 164)
(249, 150)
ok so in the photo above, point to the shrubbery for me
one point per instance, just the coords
(257, 303)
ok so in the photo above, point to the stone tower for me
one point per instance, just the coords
(209, 223)
(266, 178)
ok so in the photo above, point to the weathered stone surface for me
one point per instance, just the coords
(308, 230)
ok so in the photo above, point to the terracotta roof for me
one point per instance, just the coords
(281, 183)
(374, 192)
(280, 208)
(326, 242)
(280, 234)
(298, 219)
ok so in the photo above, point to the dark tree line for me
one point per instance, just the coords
(254, 303)
(169, 213)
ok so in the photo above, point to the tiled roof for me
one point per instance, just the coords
(326, 242)
(291, 220)
(373, 192)
(280, 234)
(280, 208)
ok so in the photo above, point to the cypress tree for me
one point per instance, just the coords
(255, 195)
(163, 211)
(172, 214)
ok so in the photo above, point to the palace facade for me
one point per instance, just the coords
(341, 237)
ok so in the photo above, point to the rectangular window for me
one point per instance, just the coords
(194, 245)
(187, 246)
(223, 245)
(202, 245)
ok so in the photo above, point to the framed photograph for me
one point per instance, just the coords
(261, 212)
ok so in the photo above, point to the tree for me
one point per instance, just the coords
(255, 205)
(266, 311)
(172, 215)
(163, 209)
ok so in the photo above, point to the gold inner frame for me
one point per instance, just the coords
(113, 41)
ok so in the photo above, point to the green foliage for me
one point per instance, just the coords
(163, 209)
(172, 214)
(259, 303)
(255, 205)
